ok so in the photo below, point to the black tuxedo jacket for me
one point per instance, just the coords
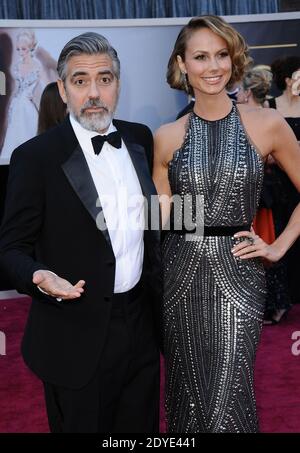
(50, 223)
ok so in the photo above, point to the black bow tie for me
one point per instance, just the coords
(114, 139)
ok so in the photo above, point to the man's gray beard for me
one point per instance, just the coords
(95, 122)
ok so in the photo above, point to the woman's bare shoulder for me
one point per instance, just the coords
(263, 118)
(262, 125)
(169, 130)
(169, 137)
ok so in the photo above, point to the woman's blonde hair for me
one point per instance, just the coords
(29, 36)
(258, 80)
(237, 48)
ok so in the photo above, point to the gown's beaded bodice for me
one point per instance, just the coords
(218, 161)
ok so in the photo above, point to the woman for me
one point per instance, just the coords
(214, 285)
(283, 277)
(254, 90)
(255, 87)
(52, 109)
(30, 80)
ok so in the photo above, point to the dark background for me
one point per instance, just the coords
(289, 5)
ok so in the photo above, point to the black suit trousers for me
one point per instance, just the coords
(123, 395)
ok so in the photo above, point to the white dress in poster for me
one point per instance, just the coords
(32, 70)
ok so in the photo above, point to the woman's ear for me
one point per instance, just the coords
(289, 81)
(181, 64)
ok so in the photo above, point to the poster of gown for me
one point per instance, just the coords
(31, 69)
(29, 53)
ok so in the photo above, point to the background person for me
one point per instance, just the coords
(52, 110)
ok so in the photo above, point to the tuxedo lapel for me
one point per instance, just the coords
(138, 157)
(78, 174)
(140, 163)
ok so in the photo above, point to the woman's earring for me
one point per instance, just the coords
(185, 82)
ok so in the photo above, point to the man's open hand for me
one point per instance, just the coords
(56, 286)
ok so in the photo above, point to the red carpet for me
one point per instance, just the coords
(277, 377)
(22, 408)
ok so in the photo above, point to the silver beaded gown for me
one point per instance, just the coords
(213, 302)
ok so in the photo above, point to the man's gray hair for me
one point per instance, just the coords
(88, 43)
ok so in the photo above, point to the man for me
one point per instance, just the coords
(69, 240)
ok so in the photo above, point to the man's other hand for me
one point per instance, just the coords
(58, 287)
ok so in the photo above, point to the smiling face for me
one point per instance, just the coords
(207, 62)
(90, 90)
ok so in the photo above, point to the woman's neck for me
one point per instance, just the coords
(212, 107)
(253, 103)
(288, 98)
(288, 104)
(27, 60)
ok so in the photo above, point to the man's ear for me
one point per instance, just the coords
(181, 64)
(61, 89)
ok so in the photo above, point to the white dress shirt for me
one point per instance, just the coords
(121, 199)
